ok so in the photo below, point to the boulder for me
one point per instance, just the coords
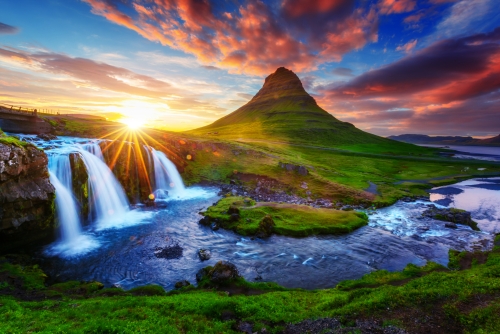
(266, 227)
(204, 254)
(222, 273)
(452, 216)
(182, 284)
(27, 208)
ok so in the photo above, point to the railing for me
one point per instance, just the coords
(23, 110)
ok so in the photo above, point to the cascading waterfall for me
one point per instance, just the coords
(168, 181)
(66, 208)
(108, 202)
(108, 205)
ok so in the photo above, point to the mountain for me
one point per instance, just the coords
(446, 140)
(283, 111)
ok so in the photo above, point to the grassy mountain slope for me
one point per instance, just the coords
(283, 111)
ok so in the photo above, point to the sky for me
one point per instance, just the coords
(387, 66)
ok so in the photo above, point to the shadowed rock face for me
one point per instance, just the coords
(26, 196)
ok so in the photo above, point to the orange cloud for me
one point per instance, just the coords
(237, 40)
(396, 6)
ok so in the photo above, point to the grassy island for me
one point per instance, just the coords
(248, 217)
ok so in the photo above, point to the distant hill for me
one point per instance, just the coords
(283, 111)
(446, 140)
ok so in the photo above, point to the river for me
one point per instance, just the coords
(123, 251)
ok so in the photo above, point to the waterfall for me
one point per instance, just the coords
(66, 208)
(108, 202)
(168, 181)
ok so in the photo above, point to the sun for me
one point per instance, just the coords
(132, 123)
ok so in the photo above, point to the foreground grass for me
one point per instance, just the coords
(430, 299)
(289, 219)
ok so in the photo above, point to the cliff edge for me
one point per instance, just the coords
(26, 194)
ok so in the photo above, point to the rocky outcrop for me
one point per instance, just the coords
(290, 167)
(451, 216)
(221, 274)
(26, 195)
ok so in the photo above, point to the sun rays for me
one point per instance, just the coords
(133, 142)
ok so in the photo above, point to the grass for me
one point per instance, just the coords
(418, 299)
(4, 139)
(289, 219)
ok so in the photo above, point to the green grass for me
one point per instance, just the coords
(457, 301)
(290, 219)
(4, 139)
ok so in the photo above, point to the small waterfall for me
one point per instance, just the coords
(168, 181)
(108, 202)
(66, 208)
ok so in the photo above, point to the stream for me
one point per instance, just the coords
(122, 250)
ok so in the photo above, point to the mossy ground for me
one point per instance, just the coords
(4, 139)
(429, 299)
(289, 219)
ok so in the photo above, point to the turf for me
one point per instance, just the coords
(429, 299)
(290, 219)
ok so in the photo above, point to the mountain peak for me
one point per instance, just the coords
(283, 83)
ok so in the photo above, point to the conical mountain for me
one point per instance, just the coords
(283, 111)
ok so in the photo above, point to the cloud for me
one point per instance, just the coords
(435, 88)
(211, 68)
(407, 47)
(466, 17)
(343, 72)
(449, 70)
(6, 29)
(396, 6)
(233, 36)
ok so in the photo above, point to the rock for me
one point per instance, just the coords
(302, 171)
(26, 196)
(204, 254)
(450, 225)
(222, 273)
(244, 327)
(233, 209)
(234, 217)
(266, 227)
(214, 226)
(46, 136)
(451, 215)
(173, 251)
(182, 284)
(205, 221)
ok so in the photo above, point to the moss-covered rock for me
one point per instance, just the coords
(27, 206)
(262, 219)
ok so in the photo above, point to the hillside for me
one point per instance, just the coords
(283, 111)
(446, 140)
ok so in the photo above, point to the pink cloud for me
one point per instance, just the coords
(237, 40)
(396, 6)
(408, 46)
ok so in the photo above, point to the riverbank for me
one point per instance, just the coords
(430, 299)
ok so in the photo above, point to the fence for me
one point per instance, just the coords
(31, 111)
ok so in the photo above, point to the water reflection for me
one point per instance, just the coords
(479, 196)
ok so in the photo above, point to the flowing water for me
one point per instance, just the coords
(121, 250)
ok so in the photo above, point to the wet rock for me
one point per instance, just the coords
(46, 136)
(222, 273)
(214, 226)
(451, 215)
(204, 254)
(450, 225)
(26, 196)
(173, 251)
(266, 227)
(182, 284)
(205, 221)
